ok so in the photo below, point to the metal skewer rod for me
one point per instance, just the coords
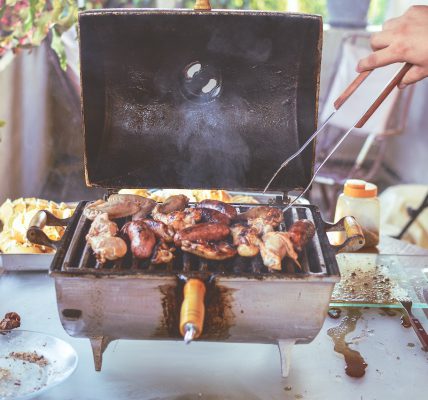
(395, 80)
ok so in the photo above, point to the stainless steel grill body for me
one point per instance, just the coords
(131, 301)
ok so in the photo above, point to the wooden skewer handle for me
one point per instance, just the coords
(351, 89)
(193, 307)
(388, 89)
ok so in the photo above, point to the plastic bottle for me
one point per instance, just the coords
(359, 200)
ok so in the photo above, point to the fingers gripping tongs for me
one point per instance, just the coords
(359, 124)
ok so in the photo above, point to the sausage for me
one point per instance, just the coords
(142, 238)
(214, 216)
(218, 205)
(202, 232)
(301, 232)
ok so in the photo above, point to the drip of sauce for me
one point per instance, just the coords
(388, 311)
(334, 313)
(405, 321)
(355, 363)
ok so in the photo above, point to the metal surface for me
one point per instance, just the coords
(186, 99)
(135, 301)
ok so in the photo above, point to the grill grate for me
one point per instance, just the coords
(79, 258)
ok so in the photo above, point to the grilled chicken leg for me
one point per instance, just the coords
(263, 218)
(246, 240)
(274, 247)
(101, 237)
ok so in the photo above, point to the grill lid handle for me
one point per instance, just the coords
(354, 234)
(35, 232)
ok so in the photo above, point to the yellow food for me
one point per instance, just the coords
(16, 217)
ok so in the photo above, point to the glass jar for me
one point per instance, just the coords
(359, 200)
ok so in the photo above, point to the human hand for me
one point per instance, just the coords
(402, 39)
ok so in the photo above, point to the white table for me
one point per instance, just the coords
(171, 370)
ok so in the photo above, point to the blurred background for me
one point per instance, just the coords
(41, 144)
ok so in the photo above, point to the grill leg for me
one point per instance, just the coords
(285, 347)
(99, 344)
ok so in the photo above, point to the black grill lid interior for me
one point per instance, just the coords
(184, 99)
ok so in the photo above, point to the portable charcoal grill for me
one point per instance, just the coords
(195, 99)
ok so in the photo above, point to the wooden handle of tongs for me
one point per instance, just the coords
(388, 89)
(355, 84)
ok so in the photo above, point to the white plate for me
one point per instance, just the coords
(20, 379)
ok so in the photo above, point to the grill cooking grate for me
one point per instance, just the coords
(79, 258)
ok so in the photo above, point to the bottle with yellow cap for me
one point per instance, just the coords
(359, 200)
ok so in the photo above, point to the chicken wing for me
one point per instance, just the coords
(179, 220)
(210, 251)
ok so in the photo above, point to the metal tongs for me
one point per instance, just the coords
(396, 79)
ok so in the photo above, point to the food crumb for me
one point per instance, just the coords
(410, 345)
(298, 396)
(287, 388)
(33, 357)
(11, 320)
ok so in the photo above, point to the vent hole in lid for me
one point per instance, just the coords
(71, 313)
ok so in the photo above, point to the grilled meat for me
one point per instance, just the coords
(209, 250)
(301, 232)
(11, 320)
(102, 226)
(173, 203)
(107, 247)
(201, 233)
(162, 254)
(274, 247)
(179, 220)
(218, 205)
(161, 231)
(214, 216)
(263, 218)
(101, 238)
(142, 238)
(120, 205)
(246, 240)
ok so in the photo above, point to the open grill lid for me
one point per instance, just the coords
(204, 100)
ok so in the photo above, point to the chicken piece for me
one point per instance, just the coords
(120, 205)
(102, 226)
(274, 247)
(179, 220)
(246, 240)
(161, 231)
(162, 254)
(263, 218)
(202, 233)
(214, 216)
(220, 206)
(142, 238)
(107, 247)
(301, 232)
(173, 203)
(210, 250)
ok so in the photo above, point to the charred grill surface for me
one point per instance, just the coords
(316, 258)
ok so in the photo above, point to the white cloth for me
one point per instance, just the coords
(363, 97)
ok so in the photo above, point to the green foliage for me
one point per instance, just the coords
(377, 11)
(2, 123)
(313, 7)
(273, 5)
